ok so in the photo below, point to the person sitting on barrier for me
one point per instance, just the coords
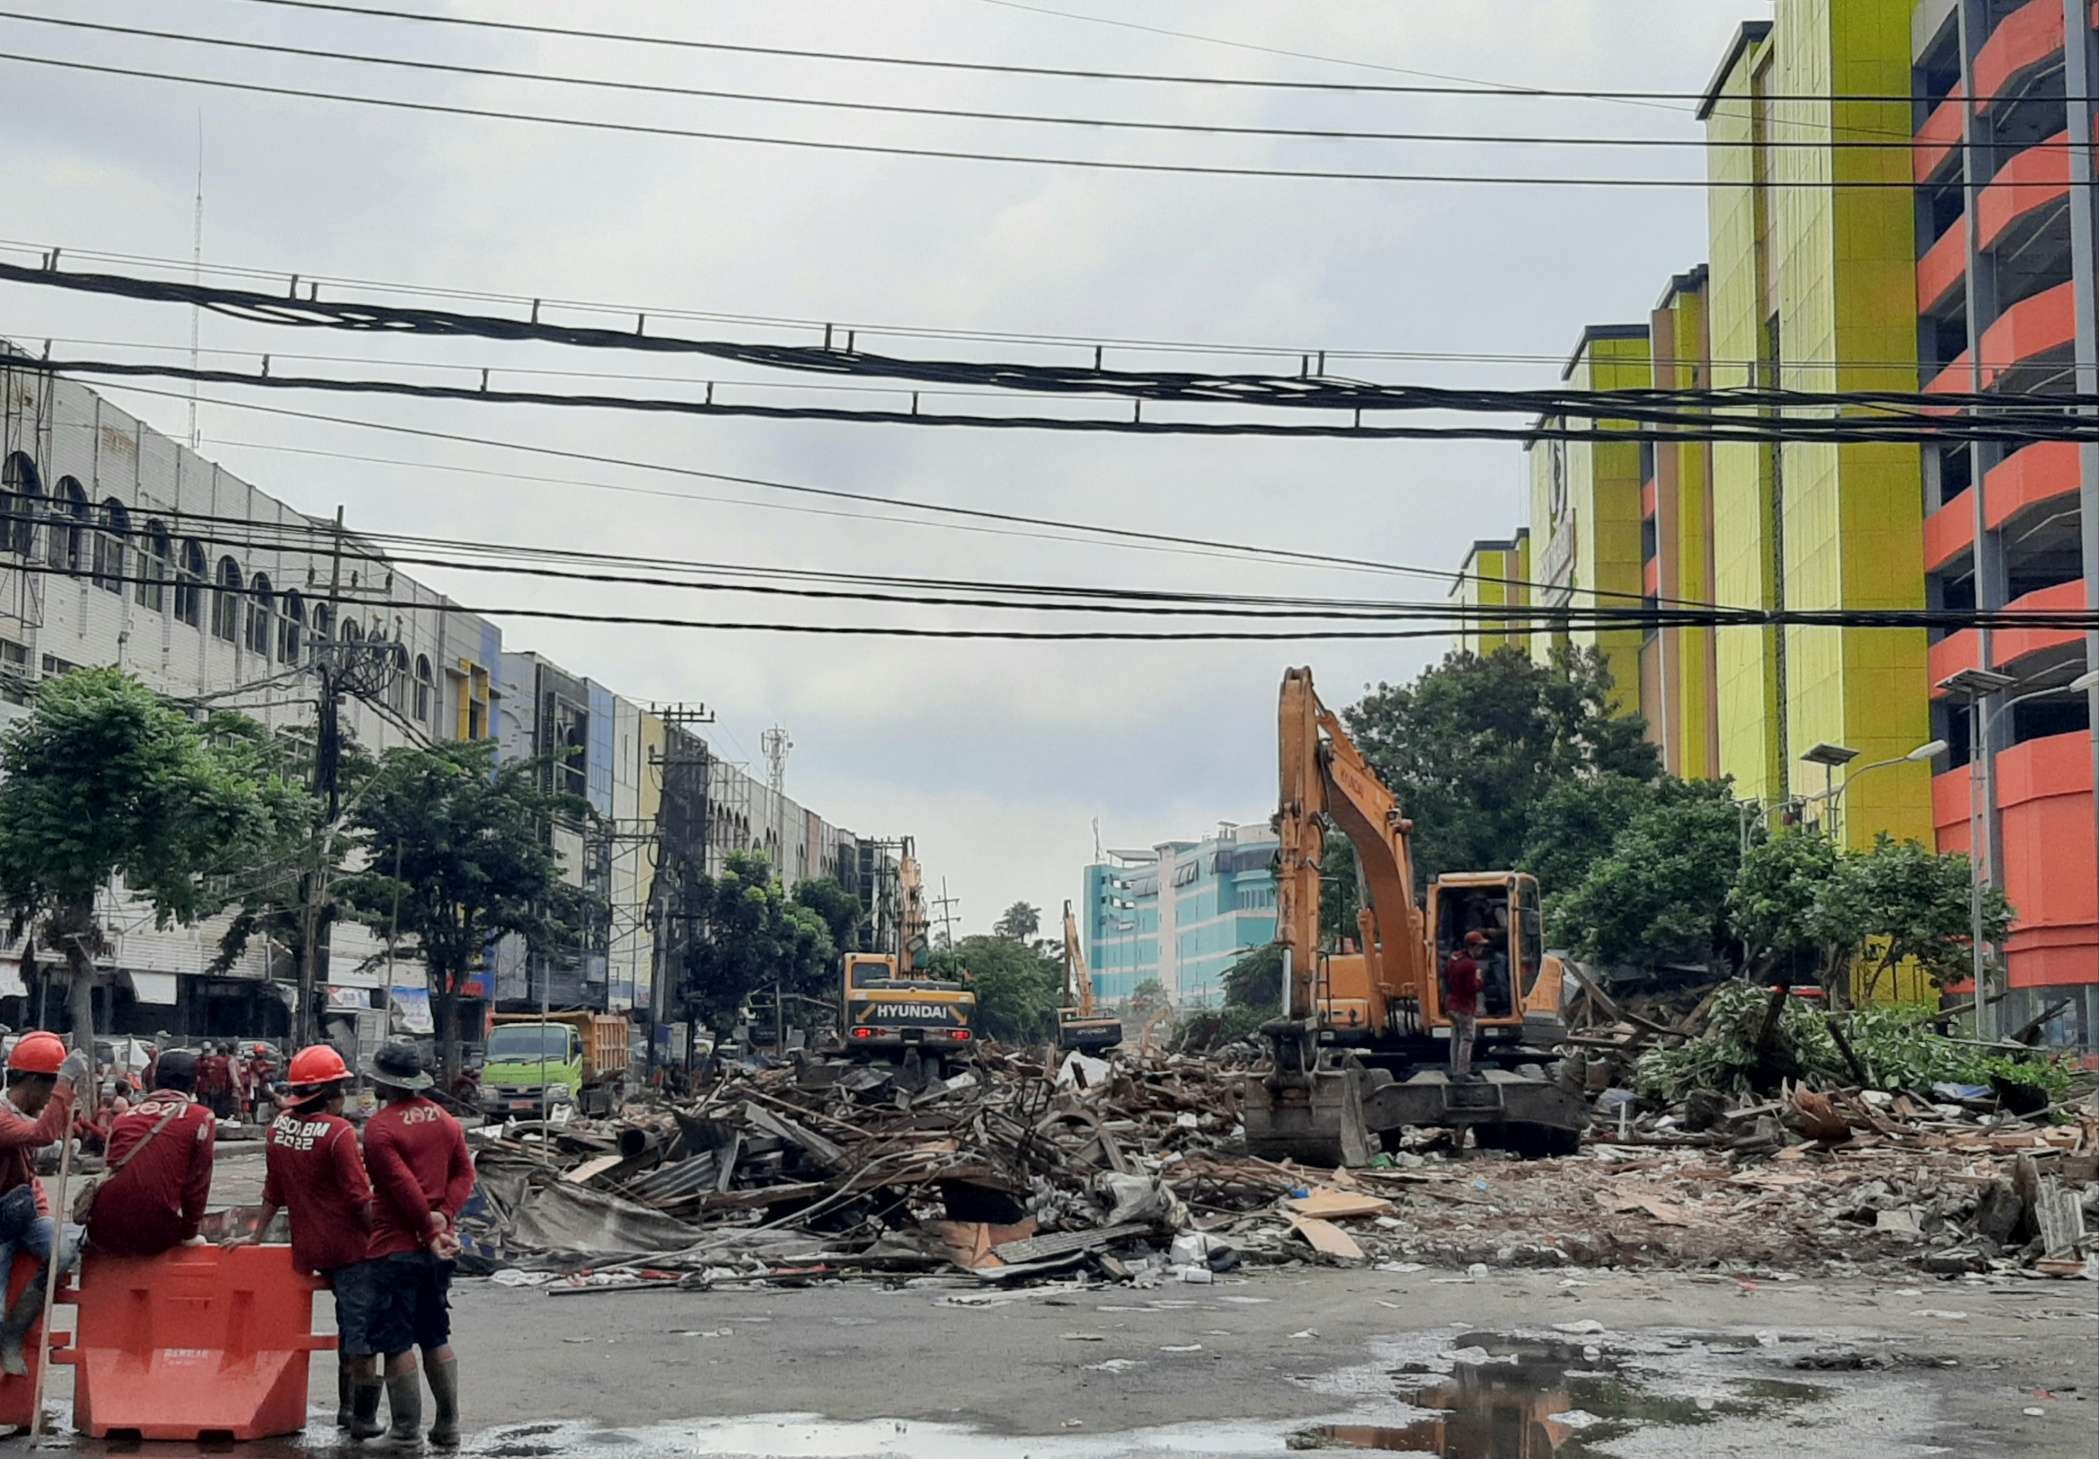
(42, 1079)
(313, 1169)
(159, 1179)
(421, 1179)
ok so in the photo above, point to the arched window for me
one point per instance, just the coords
(226, 602)
(189, 584)
(67, 542)
(155, 556)
(323, 630)
(425, 689)
(112, 533)
(22, 501)
(262, 615)
(291, 631)
(353, 631)
(397, 686)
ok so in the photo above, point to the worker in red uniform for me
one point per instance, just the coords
(159, 1164)
(215, 1081)
(261, 1069)
(421, 1179)
(1461, 1001)
(312, 1168)
(42, 1080)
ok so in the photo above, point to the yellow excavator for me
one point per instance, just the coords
(1078, 1026)
(1361, 1050)
(890, 1009)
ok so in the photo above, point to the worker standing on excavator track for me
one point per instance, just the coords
(1461, 1000)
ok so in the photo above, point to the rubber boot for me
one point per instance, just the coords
(404, 1403)
(342, 1395)
(364, 1409)
(14, 1327)
(444, 1388)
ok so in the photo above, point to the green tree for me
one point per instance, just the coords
(1795, 910)
(1148, 1000)
(104, 780)
(842, 912)
(1658, 890)
(1020, 922)
(1915, 905)
(1019, 990)
(1256, 981)
(457, 846)
(1474, 744)
(751, 936)
(1574, 823)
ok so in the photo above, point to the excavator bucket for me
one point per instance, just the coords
(1315, 1118)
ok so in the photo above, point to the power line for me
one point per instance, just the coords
(1662, 406)
(1671, 429)
(1101, 164)
(48, 256)
(1351, 134)
(1493, 89)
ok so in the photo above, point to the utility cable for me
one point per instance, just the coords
(1492, 89)
(1671, 429)
(947, 154)
(1091, 123)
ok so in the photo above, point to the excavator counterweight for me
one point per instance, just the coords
(1361, 1048)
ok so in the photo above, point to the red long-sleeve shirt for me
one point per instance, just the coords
(21, 1137)
(1461, 984)
(311, 1168)
(418, 1160)
(155, 1202)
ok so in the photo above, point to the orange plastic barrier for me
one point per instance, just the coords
(197, 1343)
(16, 1393)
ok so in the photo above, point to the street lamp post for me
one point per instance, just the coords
(1975, 686)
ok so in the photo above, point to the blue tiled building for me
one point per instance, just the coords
(1181, 912)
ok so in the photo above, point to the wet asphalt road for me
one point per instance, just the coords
(1518, 1365)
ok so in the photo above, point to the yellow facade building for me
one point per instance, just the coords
(1495, 574)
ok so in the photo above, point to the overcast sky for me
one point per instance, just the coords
(997, 756)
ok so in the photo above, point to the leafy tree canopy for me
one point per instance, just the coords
(751, 936)
(841, 912)
(1656, 891)
(1018, 988)
(1020, 922)
(1474, 744)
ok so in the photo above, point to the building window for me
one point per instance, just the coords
(226, 602)
(425, 689)
(67, 542)
(291, 627)
(262, 615)
(153, 563)
(189, 584)
(112, 532)
(21, 502)
(54, 666)
(323, 630)
(397, 684)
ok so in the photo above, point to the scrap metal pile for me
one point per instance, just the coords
(1133, 1167)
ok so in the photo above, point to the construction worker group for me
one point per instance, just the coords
(376, 1222)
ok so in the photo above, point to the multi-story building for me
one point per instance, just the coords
(1181, 912)
(1495, 574)
(1962, 259)
(120, 546)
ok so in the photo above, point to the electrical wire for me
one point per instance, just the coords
(949, 154)
(1494, 89)
(48, 257)
(1672, 429)
(1667, 406)
(1091, 123)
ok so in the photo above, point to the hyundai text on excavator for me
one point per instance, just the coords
(1078, 1026)
(1357, 1055)
(892, 1011)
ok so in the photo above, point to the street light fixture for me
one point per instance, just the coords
(1974, 686)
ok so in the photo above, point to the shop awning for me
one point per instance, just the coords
(153, 987)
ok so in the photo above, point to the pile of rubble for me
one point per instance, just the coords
(1134, 1168)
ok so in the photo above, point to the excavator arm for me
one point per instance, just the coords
(1078, 1026)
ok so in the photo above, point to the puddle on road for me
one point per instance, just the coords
(1541, 1398)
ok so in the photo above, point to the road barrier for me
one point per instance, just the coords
(17, 1394)
(199, 1343)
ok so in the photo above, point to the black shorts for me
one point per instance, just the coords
(356, 1298)
(413, 1306)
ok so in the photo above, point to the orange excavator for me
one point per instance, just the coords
(1361, 1049)
(1078, 1025)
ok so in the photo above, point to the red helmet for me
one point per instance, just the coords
(317, 1064)
(37, 1053)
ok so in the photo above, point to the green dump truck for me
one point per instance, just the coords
(570, 1057)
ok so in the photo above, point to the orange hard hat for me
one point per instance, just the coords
(37, 1053)
(317, 1064)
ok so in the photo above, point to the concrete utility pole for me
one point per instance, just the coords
(775, 744)
(946, 918)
